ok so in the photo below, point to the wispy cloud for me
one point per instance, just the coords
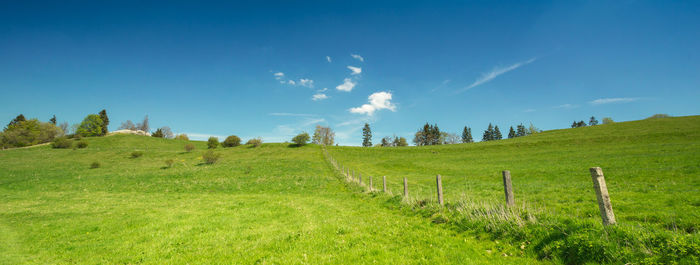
(279, 75)
(486, 77)
(358, 57)
(377, 101)
(291, 82)
(612, 100)
(291, 114)
(347, 85)
(566, 106)
(328, 58)
(306, 82)
(319, 96)
(355, 70)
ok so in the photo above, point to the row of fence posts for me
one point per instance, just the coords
(601, 189)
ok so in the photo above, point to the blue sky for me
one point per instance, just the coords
(216, 68)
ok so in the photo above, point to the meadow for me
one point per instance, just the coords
(273, 204)
(651, 168)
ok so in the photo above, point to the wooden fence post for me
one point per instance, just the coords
(601, 191)
(384, 183)
(439, 189)
(405, 187)
(370, 183)
(508, 187)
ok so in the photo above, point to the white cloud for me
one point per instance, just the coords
(328, 58)
(355, 70)
(306, 82)
(612, 100)
(358, 57)
(319, 96)
(323, 90)
(347, 85)
(566, 106)
(495, 73)
(291, 82)
(279, 75)
(377, 101)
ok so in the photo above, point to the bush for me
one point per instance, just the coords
(189, 147)
(28, 132)
(608, 120)
(81, 144)
(659, 116)
(91, 126)
(182, 137)
(255, 142)
(231, 141)
(169, 163)
(136, 154)
(213, 142)
(95, 164)
(301, 139)
(62, 142)
(210, 157)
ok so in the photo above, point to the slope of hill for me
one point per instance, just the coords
(651, 167)
(272, 204)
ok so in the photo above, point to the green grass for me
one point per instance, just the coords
(271, 205)
(651, 167)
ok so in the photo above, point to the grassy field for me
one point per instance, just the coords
(652, 169)
(270, 205)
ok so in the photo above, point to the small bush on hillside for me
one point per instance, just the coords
(659, 116)
(136, 154)
(608, 120)
(301, 139)
(255, 142)
(182, 137)
(169, 163)
(213, 142)
(95, 164)
(81, 144)
(231, 141)
(189, 147)
(62, 142)
(210, 157)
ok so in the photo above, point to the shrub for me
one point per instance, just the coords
(182, 137)
(255, 142)
(210, 157)
(28, 132)
(95, 164)
(62, 142)
(608, 120)
(301, 139)
(136, 154)
(169, 163)
(81, 144)
(158, 133)
(231, 141)
(189, 147)
(659, 116)
(213, 142)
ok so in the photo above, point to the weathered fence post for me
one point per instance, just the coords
(508, 187)
(439, 189)
(384, 183)
(370, 183)
(601, 191)
(405, 187)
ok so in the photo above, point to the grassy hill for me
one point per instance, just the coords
(272, 204)
(651, 167)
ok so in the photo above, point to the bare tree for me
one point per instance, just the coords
(323, 135)
(128, 125)
(64, 127)
(143, 126)
(167, 133)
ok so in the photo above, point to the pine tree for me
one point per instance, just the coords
(105, 121)
(497, 134)
(521, 130)
(18, 119)
(488, 133)
(574, 125)
(53, 120)
(581, 124)
(366, 136)
(593, 121)
(467, 135)
(511, 133)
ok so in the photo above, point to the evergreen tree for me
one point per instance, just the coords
(158, 133)
(366, 136)
(574, 125)
(53, 120)
(467, 135)
(511, 133)
(521, 130)
(581, 124)
(105, 121)
(16, 120)
(497, 134)
(593, 121)
(488, 133)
